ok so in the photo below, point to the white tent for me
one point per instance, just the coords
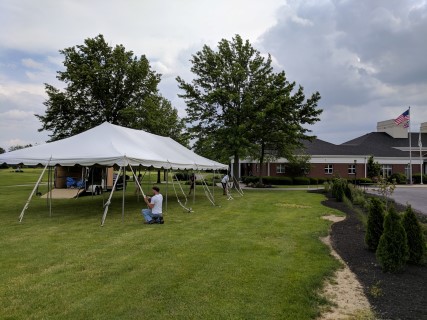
(109, 144)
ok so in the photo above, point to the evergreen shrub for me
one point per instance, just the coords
(182, 176)
(415, 236)
(277, 180)
(364, 180)
(301, 181)
(417, 178)
(392, 251)
(399, 177)
(374, 227)
(314, 181)
(338, 189)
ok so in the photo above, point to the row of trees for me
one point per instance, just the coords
(237, 106)
(396, 239)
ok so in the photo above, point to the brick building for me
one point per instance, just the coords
(389, 146)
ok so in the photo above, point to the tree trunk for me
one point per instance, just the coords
(261, 162)
(236, 166)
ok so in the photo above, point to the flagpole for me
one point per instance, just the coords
(420, 144)
(410, 146)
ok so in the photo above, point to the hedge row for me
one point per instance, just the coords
(296, 180)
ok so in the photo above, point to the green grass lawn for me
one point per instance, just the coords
(254, 257)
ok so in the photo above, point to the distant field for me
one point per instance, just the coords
(254, 257)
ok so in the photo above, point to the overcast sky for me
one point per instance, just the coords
(366, 58)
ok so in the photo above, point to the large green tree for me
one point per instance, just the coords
(277, 123)
(238, 107)
(219, 98)
(105, 83)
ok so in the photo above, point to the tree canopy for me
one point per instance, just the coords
(238, 107)
(104, 83)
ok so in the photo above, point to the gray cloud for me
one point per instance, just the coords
(366, 58)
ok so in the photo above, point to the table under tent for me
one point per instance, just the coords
(107, 146)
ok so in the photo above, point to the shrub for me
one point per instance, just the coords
(301, 181)
(358, 196)
(338, 189)
(323, 180)
(314, 181)
(278, 180)
(374, 227)
(364, 180)
(327, 186)
(392, 251)
(182, 176)
(417, 178)
(415, 236)
(399, 177)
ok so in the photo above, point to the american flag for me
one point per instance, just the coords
(402, 118)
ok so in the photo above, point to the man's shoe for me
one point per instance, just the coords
(148, 222)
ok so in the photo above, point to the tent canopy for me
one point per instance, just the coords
(109, 145)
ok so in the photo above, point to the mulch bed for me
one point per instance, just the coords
(392, 296)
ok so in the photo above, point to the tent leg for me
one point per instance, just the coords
(50, 191)
(213, 185)
(123, 193)
(21, 216)
(194, 190)
(109, 199)
(167, 188)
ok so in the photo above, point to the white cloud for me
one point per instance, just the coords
(30, 63)
(366, 58)
(16, 115)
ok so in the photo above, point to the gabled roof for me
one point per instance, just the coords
(377, 144)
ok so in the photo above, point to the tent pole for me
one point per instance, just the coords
(109, 199)
(194, 191)
(213, 185)
(123, 193)
(104, 186)
(167, 188)
(50, 191)
(21, 216)
(92, 181)
(47, 193)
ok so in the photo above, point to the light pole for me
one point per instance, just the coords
(355, 172)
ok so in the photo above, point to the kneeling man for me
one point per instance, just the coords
(154, 211)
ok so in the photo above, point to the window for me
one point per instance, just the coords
(386, 170)
(351, 169)
(329, 169)
(280, 168)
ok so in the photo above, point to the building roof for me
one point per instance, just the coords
(377, 144)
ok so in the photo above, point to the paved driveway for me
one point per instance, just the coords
(416, 196)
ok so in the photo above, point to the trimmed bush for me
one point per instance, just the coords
(364, 180)
(338, 189)
(182, 176)
(415, 236)
(301, 181)
(392, 251)
(314, 181)
(374, 227)
(417, 178)
(399, 177)
(323, 180)
(277, 180)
